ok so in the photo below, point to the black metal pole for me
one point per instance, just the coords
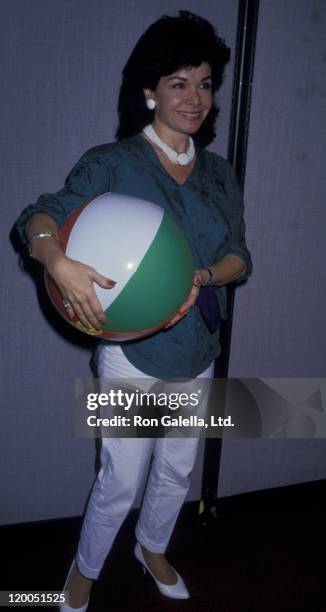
(237, 155)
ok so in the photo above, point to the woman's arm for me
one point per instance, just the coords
(232, 267)
(41, 248)
(74, 279)
(88, 179)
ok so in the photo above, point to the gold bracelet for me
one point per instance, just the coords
(38, 235)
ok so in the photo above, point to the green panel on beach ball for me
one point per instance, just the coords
(159, 286)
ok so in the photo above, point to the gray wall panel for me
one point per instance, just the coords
(281, 312)
(279, 322)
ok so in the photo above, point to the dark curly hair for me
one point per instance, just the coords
(167, 45)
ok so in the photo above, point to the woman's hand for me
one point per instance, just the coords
(73, 278)
(75, 282)
(189, 302)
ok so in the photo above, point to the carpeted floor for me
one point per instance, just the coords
(264, 552)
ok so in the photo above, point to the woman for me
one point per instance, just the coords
(166, 98)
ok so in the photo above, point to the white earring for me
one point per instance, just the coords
(150, 103)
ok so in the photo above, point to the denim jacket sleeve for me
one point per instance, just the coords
(237, 241)
(88, 179)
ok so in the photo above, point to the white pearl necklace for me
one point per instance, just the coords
(181, 159)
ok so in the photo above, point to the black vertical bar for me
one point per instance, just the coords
(242, 86)
(237, 154)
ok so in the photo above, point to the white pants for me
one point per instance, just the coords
(123, 465)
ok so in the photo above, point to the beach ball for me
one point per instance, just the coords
(137, 244)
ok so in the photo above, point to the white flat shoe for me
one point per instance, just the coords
(175, 591)
(64, 607)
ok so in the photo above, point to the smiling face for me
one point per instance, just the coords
(183, 100)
